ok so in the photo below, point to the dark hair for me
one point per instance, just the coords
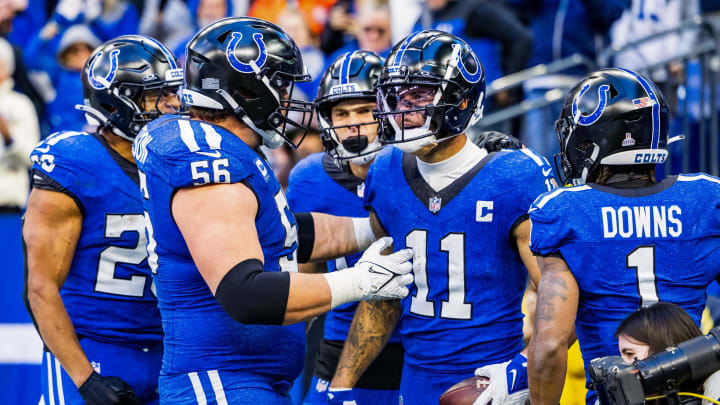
(603, 173)
(660, 326)
(209, 114)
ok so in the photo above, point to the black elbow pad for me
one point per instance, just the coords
(253, 296)
(306, 236)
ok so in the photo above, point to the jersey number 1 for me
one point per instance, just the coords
(642, 259)
(455, 307)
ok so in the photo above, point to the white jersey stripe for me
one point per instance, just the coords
(559, 191)
(58, 378)
(217, 387)
(59, 136)
(188, 135)
(55, 138)
(532, 155)
(685, 177)
(51, 391)
(197, 387)
(212, 138)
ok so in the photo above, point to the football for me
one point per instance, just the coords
(465, 392)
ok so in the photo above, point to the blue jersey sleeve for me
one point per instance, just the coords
(56, 157)
(549, 231)
(300, 187)
(537, 178)
(528, 174)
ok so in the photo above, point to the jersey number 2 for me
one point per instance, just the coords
(455, 307)
(642, 259)
(115, 226)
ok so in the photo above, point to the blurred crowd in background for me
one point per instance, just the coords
(44, 44)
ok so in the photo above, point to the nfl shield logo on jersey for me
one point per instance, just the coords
(434, 204)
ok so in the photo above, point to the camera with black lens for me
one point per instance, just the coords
(681, 368)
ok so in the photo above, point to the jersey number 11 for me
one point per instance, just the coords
(455, 307)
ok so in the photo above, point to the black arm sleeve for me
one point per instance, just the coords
(306, 236)
(253, 296)
(495, 21)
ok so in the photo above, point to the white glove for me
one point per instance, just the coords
(508, 382)
(518, 398)
(374, 276)
(384, 277)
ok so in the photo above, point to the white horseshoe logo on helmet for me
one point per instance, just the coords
(591, 118)
(470, 77)
(255, 64)
(100, 82)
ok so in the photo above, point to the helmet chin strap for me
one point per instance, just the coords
(95, 117)
(271, 140)
(343, 155)
(586, 167)
(362, 157)
(416, 144)
(361, 160)
(478, 113)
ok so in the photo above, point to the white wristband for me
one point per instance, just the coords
(363, 232)
(343, 287)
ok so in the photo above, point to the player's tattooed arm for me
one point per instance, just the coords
(51, 229)
(557, 301)
(341, 236)
(521, 233)
(371, 328)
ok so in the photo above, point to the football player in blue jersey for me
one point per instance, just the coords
(464, 213)
(223, 243)
(333, 183)
(89, 286)
(618, 240)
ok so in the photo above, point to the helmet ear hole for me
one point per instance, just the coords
(108, 107)
(585, 146)
(245, 94)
